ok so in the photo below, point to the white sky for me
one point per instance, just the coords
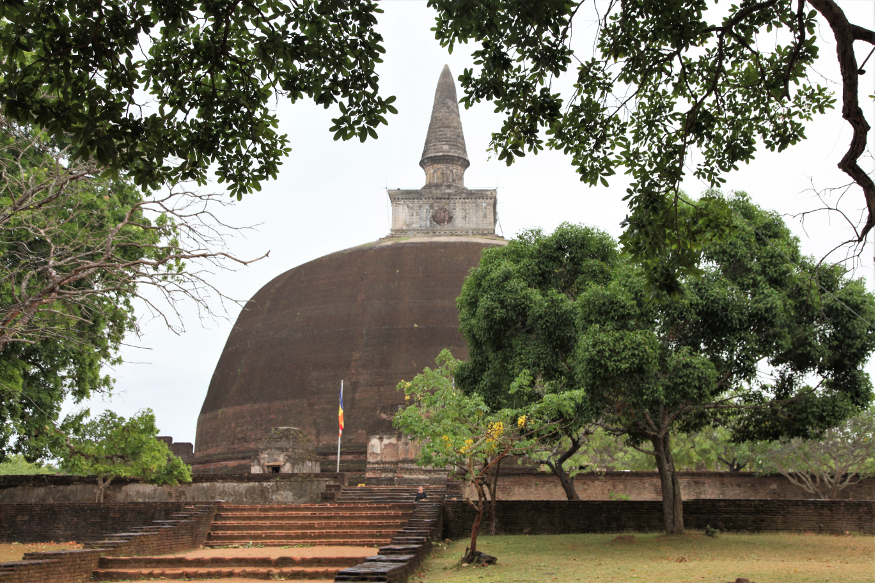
(331, 196)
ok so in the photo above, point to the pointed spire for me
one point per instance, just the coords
(444, 157)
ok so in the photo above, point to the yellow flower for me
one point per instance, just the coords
(406, 397)
(521, 422)
(446, 438)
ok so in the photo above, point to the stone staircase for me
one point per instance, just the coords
(384, 517)
(358, 524)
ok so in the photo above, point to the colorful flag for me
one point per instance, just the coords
(340, 412)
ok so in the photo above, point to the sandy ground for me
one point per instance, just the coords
(15, 551)
(358, 552)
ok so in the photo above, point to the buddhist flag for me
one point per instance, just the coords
(340, 411)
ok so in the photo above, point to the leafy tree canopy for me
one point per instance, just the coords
(765, 342)
(169, 90)
(662, 80)
(111, 446)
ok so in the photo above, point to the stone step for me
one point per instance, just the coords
(337, 542)
(410, 488)
(311, 517)
(372, 571)
(315, 508)
(389, 558)
(400, 549)
(389, 495)
(348, 525)
(187, 574)
(254, 536)
(380, 496)
(411, 502)
(413, 492)
(183, 562)
(396, 541)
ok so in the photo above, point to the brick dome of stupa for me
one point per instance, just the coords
(371, 316)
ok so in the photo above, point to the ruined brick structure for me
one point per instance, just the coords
(184, 450)
(287, 450)
(371, 316)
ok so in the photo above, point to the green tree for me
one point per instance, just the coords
(665, 88)
(460, 431)
(77, 249)
(168, 91)
(517, 314)
(842, 457)
(111, 446)
(764, 342)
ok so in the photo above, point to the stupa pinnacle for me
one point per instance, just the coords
(444, 157)
(444, 206)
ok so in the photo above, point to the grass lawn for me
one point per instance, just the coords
(14, 551)
(694, 557)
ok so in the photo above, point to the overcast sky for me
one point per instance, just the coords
(332, 195)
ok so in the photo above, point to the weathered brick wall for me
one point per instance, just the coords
(82, 523)
(187, 530)
(235, 489)
(62, 567)
(564, 517)
(521, 483)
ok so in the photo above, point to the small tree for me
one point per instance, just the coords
(112, 447)
(843, 457)
(460, 431)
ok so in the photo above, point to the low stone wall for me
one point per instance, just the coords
(81, 523)
(523, 483)
(565, 517)
(187, 530)
(233, 489)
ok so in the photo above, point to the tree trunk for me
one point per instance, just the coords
(478, 518)
(559, 471)
(564, 479)
(676, 487)
(672, 503)
(492, 487)
(102, 484)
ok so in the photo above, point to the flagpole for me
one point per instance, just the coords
(340, 430)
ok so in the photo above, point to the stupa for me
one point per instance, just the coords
(371, 316)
